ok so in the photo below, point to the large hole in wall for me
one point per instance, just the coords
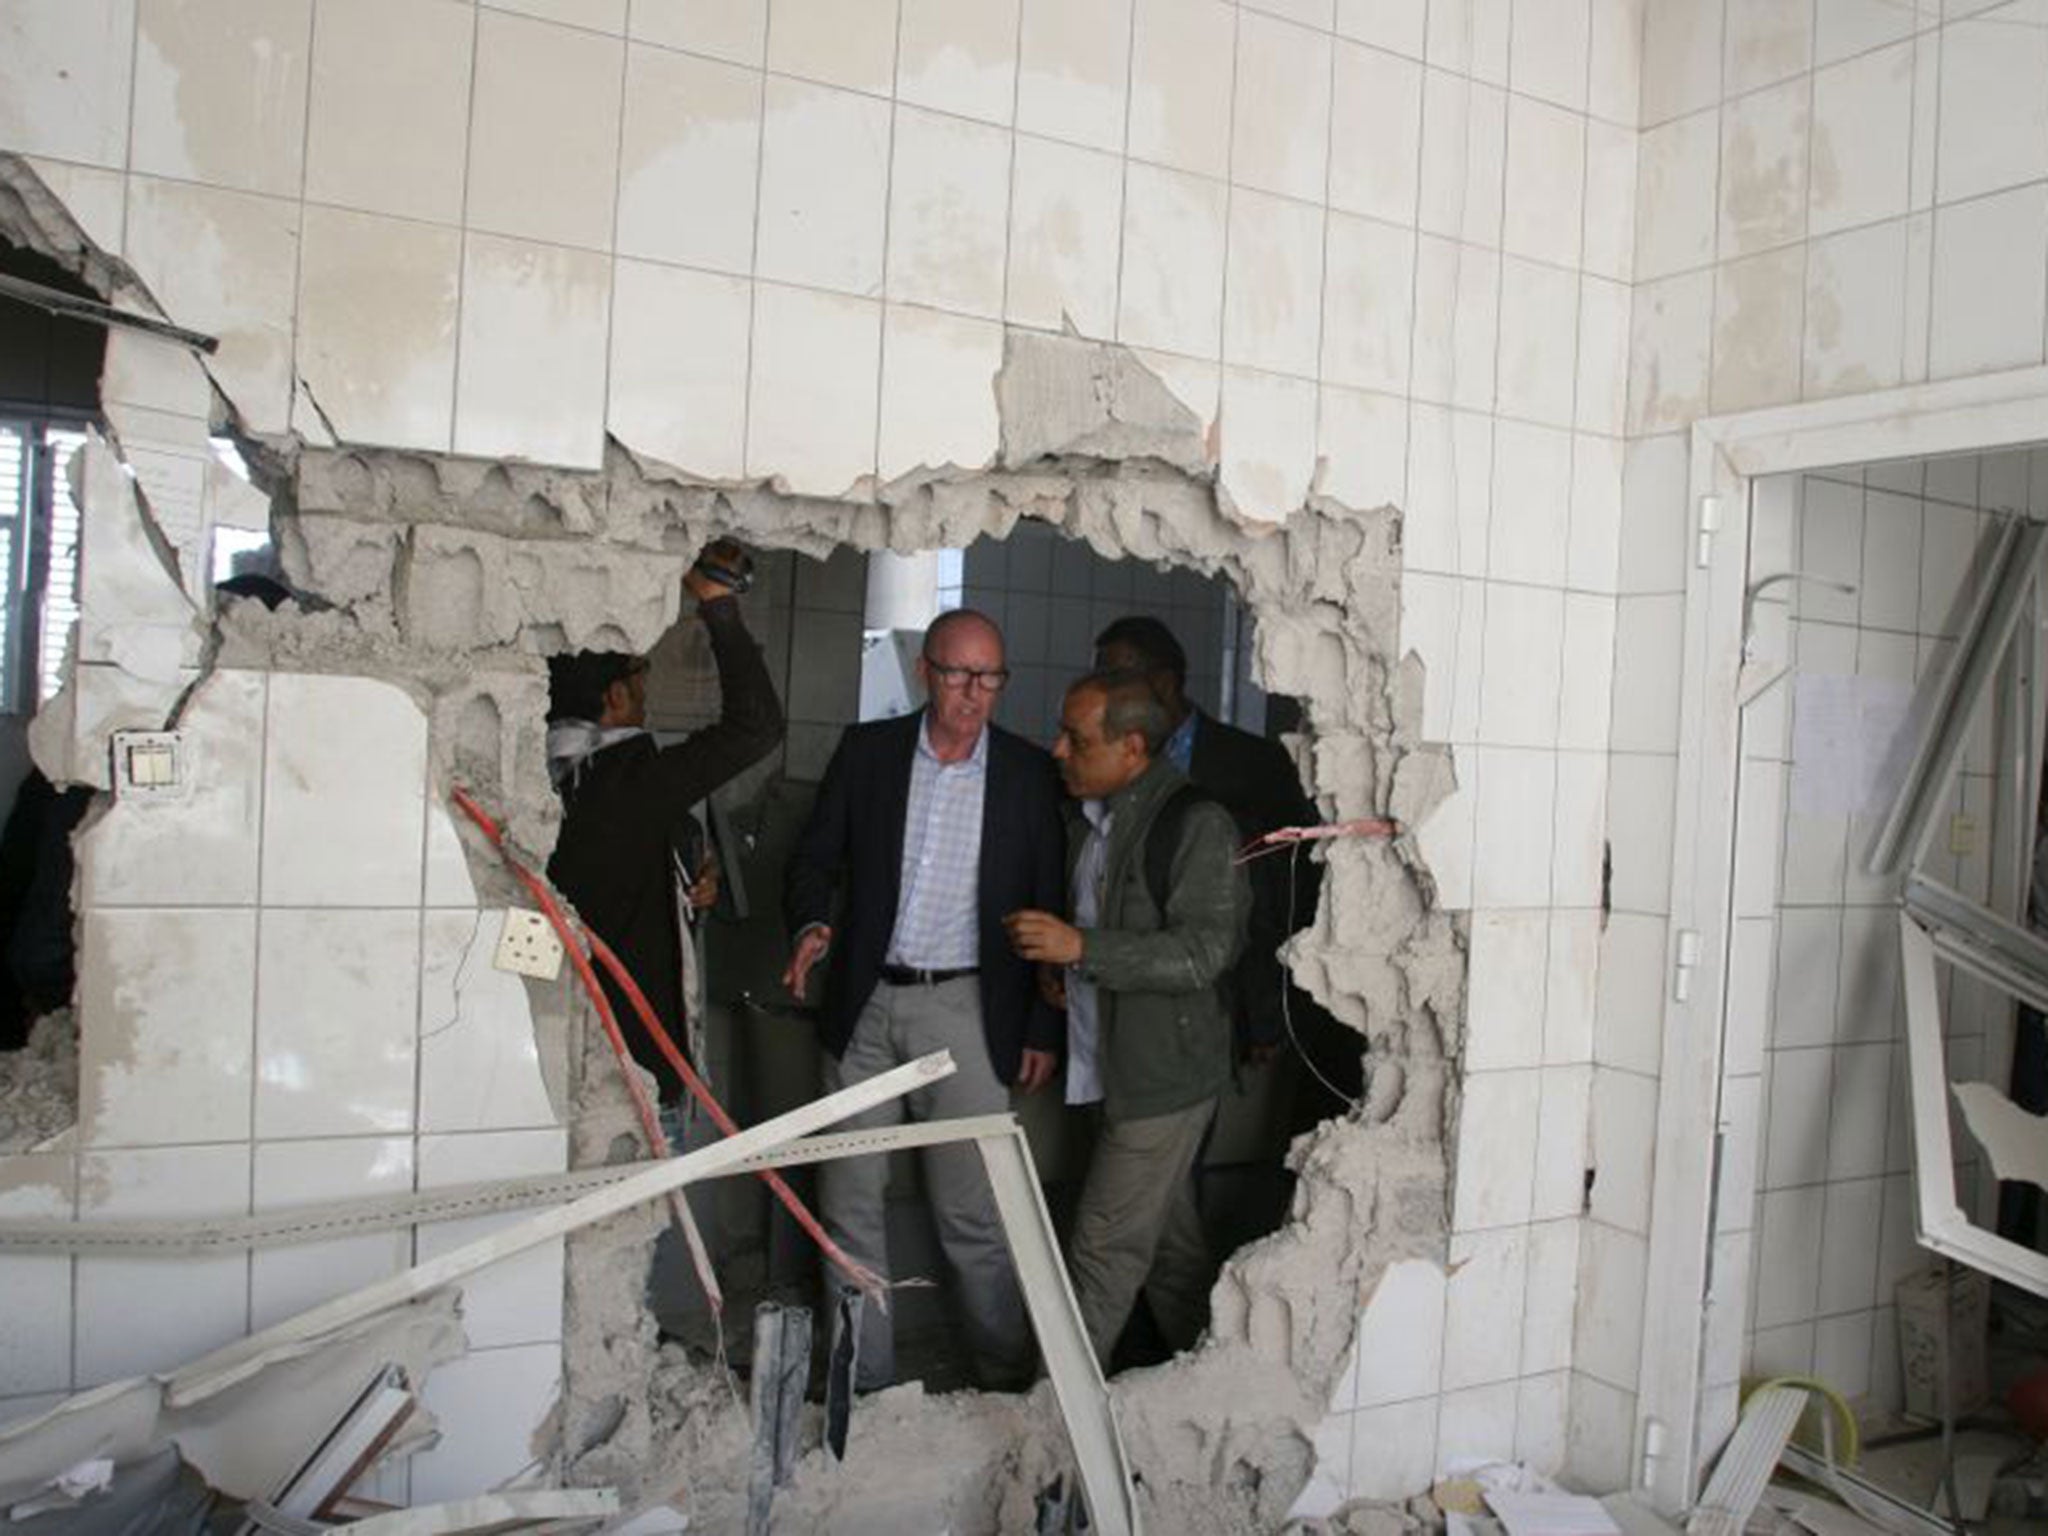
(841, 635)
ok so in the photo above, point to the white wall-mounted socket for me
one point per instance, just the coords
(528, 946)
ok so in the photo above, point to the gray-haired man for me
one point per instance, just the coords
(1148, 1033)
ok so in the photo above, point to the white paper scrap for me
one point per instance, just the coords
(1845, 732)
(1552, 1514)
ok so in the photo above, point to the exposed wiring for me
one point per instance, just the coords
(1287, 985)
(1281, 838)
(574, 938)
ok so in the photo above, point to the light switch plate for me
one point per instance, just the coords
(1962, 835)
(528, 947)
(152, 765)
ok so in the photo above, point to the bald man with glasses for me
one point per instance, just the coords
(928, 831)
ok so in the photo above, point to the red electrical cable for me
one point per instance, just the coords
(573, 939)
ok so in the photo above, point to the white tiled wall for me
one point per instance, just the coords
(1815, 1202)
(326, 1026)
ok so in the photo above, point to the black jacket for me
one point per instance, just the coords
(853, 847)
(627, 813)
(1256, 781)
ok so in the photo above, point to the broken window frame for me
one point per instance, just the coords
(39, 568)
(1936, 923)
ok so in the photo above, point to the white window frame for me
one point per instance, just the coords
(1984, 414)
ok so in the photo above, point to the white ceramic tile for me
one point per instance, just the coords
(1400, 1335)
(1548, 47)
(1751, 977)
(1610, 238)
(1655, 527)
(1362, 443)
(35, 1326)
(377, 323)
(1849, 1249)
(938, 393)
(1074, 70)
(1450, 489)
(678, 381)
(530, 379)
(1588, 672)
(345, 787)
(1478, 1421)
(64, 79)
(1630, 1018)
(1579, 846)
(1608, 1332)
(1682, 58)
(1172, 294)
(220, 92)
(959, 56)
(1788, 1255)
(1520, 674)
(337, 1021)
(1758, 315)
(1796, 1137)
(1842, 1353)
(1542, 1420)
(1442, 623)
(1269, 443)
(1551, 1296)
(688, 157)
(243, 295)
(287, 1280)
(1368, 303)
(1888, 595)
(1759, 837)
(1470, 39)
(1457, 323)
(1375, 133)
(1855, 302)
(1614, 69)
(850, 43)
(1512, 830)
(518, 1301)
(480, 1066)
(1624, 1118)
(1766, 42)
(1988, 258)
(1994, 118)
(1593, 548)
(1648, 636)
(544, 174)
(1809, 950)
(1949, 538)
(1546, 157)
(949, 198)
(733, 30)
(1846, 27)
(1066, 210)
(824, 177)
(1181, 67)
(1869, 1008)
(1600, 396)
(1601, 1437)
(1393, 1450)
(1504, 1006)
(1446, 839)
(140, 1315)
(1670, 339)
(1329, 1482)
(96, 199)
(813, 389)
(1496, 1150)
(1395, 24)
(1280, 130)
(1862, 121)
(1275, 298)
(1675, 206)
(1464, 146)
(1640, 790)
(1786, 1350)
(1563, 1149)
(592, 15)
(1861, 1101)
(165, 1024)
(490, 1403)
(1572, 986)
(1483, 1307)
(388, 125)
(1539, 321)
(196, 851)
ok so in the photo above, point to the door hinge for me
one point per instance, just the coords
(1709, 525)
(1685, 957)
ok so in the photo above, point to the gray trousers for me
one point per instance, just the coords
(1136, 1228)
(900, 1024)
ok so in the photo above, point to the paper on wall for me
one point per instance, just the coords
(1845, 734)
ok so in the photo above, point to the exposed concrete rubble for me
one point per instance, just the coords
(455, 578)
(39, 1084)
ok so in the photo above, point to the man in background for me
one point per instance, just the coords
(927, 830)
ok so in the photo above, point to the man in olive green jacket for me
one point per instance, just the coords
(1148, 1031)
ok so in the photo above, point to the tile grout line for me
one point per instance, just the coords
(462, 243)
(754, 250)
(613, 257)
(1116, 316)
(297, 380)
(884, 299)
(1002, 318)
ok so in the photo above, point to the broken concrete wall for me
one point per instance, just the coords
(1322, 264)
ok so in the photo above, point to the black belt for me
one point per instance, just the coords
(912, 976)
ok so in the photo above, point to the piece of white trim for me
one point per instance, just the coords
(233, 1362)
(504, 1511)
(1747, 1462)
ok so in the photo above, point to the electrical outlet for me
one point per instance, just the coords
(528, 946)
(1962, 835)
